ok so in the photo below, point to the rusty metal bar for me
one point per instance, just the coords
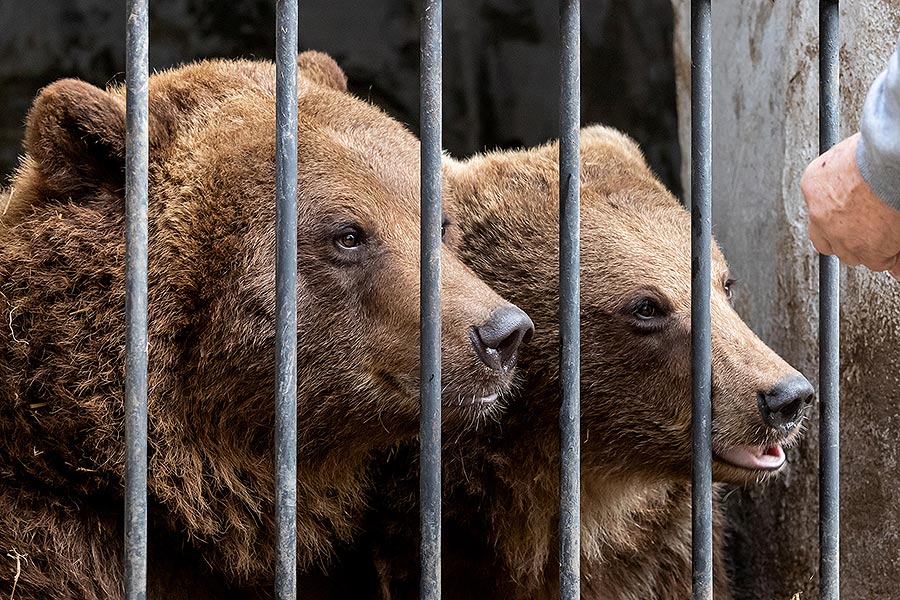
(829, 324)
(136, 186)
(430, 300)
(701, 345)
(286, 300)
(570, 299)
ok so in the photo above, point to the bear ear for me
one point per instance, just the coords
(75, 133)
(322, 69)
(452, 168)
(606, 142)
(460, 176)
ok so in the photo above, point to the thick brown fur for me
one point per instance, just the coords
(501, 484)
(211, 326)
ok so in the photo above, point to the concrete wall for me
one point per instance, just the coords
(765, 111)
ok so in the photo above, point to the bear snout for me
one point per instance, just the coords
(497, 340)
(784, 405)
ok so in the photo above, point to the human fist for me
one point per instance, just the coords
(846, 218)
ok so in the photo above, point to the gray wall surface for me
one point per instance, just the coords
(500, 60)
(765, 131)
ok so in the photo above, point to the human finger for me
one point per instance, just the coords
(876, 262)
(818, 240)
(894, 270)
(846, 256)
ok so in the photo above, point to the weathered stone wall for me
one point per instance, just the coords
(765, 131)
(500, 60)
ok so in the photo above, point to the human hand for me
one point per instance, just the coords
(845, 217)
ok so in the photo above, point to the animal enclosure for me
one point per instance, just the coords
(286, 30)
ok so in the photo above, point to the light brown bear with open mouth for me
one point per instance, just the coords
(501, 485)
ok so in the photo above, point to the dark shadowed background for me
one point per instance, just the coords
(500, 61)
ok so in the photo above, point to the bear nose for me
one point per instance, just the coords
(497, 340)
(785, 404)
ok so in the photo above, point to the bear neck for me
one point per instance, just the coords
(622, 511)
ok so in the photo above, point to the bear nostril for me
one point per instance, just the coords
(498, 339)
(782, 406)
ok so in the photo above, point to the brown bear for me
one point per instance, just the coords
(501, 483)
(212, 328)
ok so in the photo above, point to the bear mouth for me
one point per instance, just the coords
(486, 400)
(769, 458)
(484, 396)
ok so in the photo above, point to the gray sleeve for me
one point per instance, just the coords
(878, 152)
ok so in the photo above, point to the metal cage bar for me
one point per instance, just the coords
(570, 299)
(701, 348)
(137, 74)
(430, 300)
(829, 323)
(286, 300)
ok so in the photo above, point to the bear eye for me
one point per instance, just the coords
(729, 289)
(349, 238)
(647, 309)
(445, 224)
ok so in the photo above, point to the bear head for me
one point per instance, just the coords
(635, 313)
(212, 299)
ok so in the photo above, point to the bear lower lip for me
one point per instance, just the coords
(756, 458)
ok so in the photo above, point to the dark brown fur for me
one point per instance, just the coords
(501, 498)
(212, 327)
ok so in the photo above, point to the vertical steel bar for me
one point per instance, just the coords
(569, 299)
(286, 300)
(430, 299)
(829, 316)
(701, 351)
(136, 182)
